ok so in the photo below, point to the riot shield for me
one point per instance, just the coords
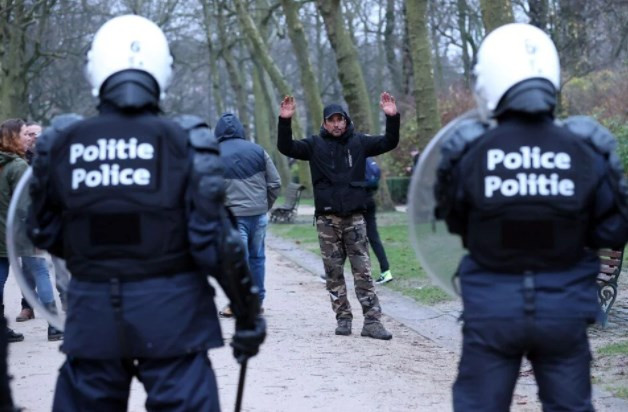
(33, 267)
(438, 251)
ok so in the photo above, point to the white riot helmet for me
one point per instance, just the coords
(508, 55)
(129, 42)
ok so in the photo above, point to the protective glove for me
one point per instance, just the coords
(246, 341)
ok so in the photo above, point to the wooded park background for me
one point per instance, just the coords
(242, 56)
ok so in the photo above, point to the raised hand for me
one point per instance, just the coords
(387, 103)
(287, 107)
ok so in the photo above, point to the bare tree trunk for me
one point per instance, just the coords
(428, 118)
(271, 99)
(319, 47)
(439, 78)
(463, 18)
(234, 71)
(496, 13)
(301, 49)
(13, 80)
(263, 126)
(571, 36)
(406, 59)
(261, 52)
(214, 75)
(261, 118)
(349, 69)
(390, 46)
(538, 13)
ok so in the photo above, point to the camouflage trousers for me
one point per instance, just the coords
(339, 238)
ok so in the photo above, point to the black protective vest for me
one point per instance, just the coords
(530, 185)
(121, 180)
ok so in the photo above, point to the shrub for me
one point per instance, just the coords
(620, 129)
(398, 188)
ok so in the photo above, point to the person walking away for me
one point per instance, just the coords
(337, 157)
(372, 177)
(252, 186)
(532, 199)
(133, 202)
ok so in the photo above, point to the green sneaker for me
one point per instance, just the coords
(384, 278)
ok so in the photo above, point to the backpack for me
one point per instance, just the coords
(372, 173)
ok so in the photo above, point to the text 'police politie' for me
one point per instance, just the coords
(539, 174)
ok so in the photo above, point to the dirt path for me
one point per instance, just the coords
(303, 366)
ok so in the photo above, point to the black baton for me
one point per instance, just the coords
(238, 404)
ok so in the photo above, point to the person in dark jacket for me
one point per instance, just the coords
(370, 216)
(533, 199)
(337, 159)
(252, 186)
(134, 204)
(12, 167)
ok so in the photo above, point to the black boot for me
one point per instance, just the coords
(13, 336)
(10, 334)
(54, 334)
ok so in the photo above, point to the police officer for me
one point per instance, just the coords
(133, 203)
(532, 198)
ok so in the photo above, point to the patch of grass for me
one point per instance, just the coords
(307, 201)
(618, 392)
(410, 278)
(428, 294)
(303, 234)
(620, 348)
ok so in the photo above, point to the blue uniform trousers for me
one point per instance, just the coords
(184, 383)
(492, 350)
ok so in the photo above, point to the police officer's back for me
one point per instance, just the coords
(532, 199)
(133, 202)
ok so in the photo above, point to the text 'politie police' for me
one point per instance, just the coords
(528, 184)
(111, 174)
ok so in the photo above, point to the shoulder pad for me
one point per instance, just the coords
(593, 132)
(63, 121)
(603, 141)
(200, 135)
(463, 133)
(57, 125)
(455, 139)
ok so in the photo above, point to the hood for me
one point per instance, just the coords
(229, 127)
(6, 157)
(333, 109)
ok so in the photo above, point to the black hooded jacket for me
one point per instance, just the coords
(338, 163)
